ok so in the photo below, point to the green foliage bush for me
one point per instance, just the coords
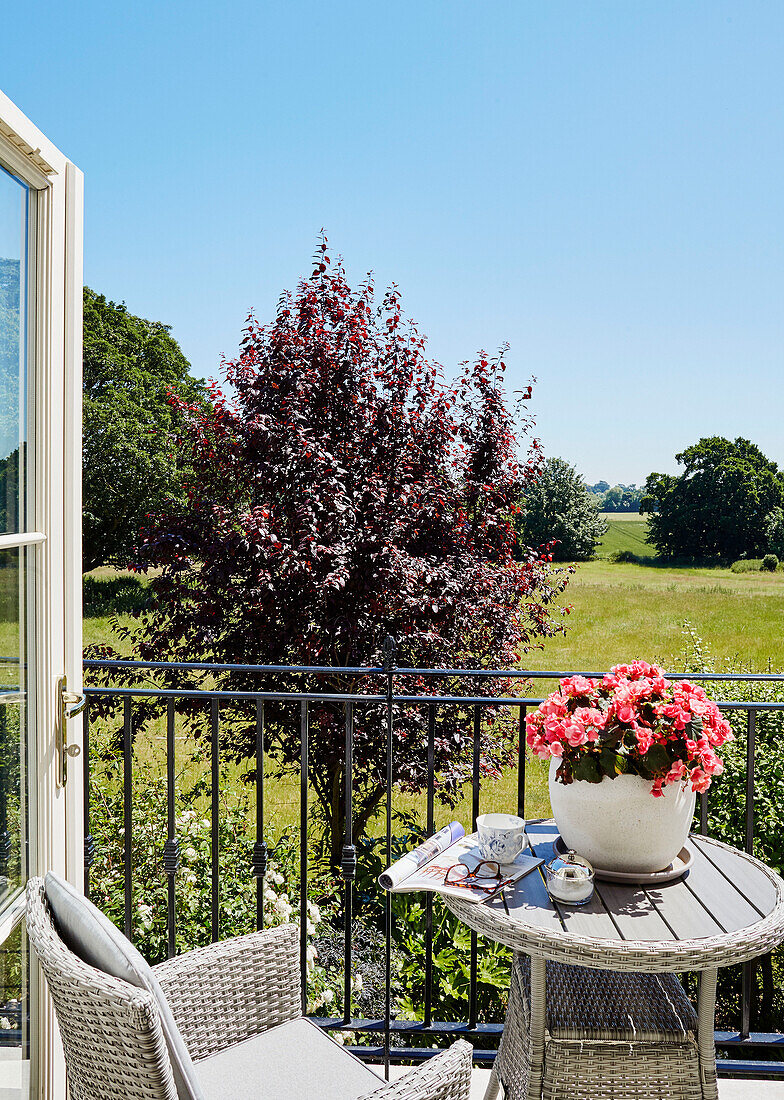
(619, 557)
(770, 563)
(620, 498)
(747, 565)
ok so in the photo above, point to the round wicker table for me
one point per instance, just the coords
(615, 1021)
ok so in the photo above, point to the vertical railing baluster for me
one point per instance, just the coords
(303, 853)
(521, 763)
(5, 838)
(704, 813)
(472, 1003)
(348, 863)
(749, 968)
(89, 842)
(260, 847)
(431, 828)
(751, 747)
(171, 849)
(127, 816)
(390, 649)
(215, 815)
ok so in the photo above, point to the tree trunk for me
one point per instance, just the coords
(335, 813)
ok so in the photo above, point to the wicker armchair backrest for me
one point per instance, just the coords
(111, 1031)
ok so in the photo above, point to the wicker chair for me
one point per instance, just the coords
(236, 1007)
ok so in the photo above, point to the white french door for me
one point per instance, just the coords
(40, 570)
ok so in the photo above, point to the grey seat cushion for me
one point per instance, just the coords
(91, 936)
(296, 1059)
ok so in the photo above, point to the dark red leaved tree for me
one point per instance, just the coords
(344, 492)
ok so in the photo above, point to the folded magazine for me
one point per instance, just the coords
(452, 856)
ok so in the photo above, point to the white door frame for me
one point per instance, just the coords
(55, 369)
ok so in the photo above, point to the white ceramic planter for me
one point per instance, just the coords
(618, 825)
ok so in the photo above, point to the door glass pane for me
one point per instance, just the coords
(13, 806)
(14, 201)
(14, 971)
(15, 1016)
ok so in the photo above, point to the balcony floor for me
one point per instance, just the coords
(728, 1090)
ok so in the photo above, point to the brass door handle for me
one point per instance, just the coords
(69, 705)
(80, 702)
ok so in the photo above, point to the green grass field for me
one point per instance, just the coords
(625, 531)
(621, 611)
(618, 612)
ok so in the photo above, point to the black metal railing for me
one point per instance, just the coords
(752, 1053)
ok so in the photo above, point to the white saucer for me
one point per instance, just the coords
(678, 867)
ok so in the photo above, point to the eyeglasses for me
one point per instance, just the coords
(484, 876)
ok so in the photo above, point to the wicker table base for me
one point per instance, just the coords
(606, 1035)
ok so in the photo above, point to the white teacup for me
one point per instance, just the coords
(501, 836)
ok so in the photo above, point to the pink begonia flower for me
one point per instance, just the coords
(710, 761)
(575, 734)
(633, 699)
(644, 740)
(592, 719)
(699, 781)
(554, 704)
(677, 771)
(577, 686)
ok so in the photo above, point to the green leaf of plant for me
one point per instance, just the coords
(587, 768)
(655, 762)
(613, 763)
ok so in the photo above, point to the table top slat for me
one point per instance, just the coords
(720, 897)
(528, 899)
(751, 881)
(682, 911)
(591, 919)
(633, 912)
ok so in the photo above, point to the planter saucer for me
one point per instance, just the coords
(679, 866)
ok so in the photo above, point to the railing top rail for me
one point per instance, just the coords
(347, 697)
(212, 666)
(358, 670)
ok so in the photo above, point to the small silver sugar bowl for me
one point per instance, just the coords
(570, 879)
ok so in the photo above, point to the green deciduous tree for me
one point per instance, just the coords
(131, 367)
(718, 506)
(774, 532)
(559, 506)
(621, 498)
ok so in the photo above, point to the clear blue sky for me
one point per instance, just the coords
(599, 183)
